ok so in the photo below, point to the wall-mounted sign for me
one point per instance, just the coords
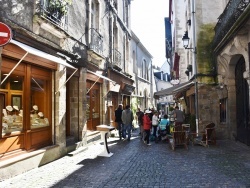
(5, 34)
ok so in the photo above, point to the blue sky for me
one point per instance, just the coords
(147, 22)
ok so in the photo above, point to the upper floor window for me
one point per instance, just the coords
(115, 4)
(55, 11)
(94, 15)
(126, 13)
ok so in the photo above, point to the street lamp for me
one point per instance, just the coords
(185, 40)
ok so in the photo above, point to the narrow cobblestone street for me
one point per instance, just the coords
(135, 164)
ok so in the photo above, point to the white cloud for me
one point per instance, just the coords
(147, 22)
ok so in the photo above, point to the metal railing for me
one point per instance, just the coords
(96, 41)
(117, 59)
(227, 19)
(54, 11)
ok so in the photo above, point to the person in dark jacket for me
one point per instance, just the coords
(127, 119)
(118, 120)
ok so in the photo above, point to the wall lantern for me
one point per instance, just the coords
(185, 40)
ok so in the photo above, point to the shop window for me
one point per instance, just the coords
(11, 99)
(223, 110)
(38, 115)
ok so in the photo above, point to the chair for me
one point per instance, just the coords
(178, 139)
(207, 137)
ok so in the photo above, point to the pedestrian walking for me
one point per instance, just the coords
(140, 115)
(155, 122)
(179, 118)
(147, 123)
(118, 120)
(127, 119)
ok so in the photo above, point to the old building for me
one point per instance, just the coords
(142, 68)
(231, 48)
(211, 40)
(58, 75)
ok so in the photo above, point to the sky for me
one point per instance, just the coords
(147, 22)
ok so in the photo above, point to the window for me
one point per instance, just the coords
(11, 94)
(55, 11)
(39, 114)
(223, 110)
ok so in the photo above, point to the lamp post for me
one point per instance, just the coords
(185, 40)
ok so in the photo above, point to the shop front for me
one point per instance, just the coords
(26, 94)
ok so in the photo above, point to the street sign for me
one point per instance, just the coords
(5, 34)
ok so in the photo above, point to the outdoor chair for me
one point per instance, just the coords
(178, 139)
(207, 137)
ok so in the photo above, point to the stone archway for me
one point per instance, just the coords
(242, 103)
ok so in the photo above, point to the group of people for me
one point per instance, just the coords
(147, 121)
(124, 120)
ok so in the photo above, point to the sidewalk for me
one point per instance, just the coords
(135, 164)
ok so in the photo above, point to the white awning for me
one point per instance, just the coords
(42, 54)
(103, 77)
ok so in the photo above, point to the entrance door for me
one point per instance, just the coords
(93, 102)
(242, 102)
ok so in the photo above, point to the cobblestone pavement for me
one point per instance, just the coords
(135, 164)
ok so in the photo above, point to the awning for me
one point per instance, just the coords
(127, 88)
(175, 89)
(100, 76)
(41, 54)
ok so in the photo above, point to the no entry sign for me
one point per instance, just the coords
(5, 34)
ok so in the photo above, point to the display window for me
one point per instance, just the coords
(26, 99)
(12, 112)
(38, 112)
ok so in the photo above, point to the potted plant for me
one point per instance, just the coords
(59, 8)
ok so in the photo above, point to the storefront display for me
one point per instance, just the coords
(37, 119)
(12, 119)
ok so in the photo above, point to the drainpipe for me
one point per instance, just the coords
(195, 66)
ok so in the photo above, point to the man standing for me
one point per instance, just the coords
(127, 119)
(118, 120)
(179, 118)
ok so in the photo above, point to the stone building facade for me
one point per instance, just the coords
(142, 68)
(51, 93)
(219, 51)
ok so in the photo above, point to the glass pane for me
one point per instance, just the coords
(4, 84)
(16, 83)
(12, 113)
(38, 113)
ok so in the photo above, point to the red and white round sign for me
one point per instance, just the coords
(5, 34)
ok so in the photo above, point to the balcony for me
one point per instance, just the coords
(117, 63)
(231, 14)
(95, 47)
(55, 11)
(96, 41)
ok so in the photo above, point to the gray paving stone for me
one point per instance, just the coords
(136, 165)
